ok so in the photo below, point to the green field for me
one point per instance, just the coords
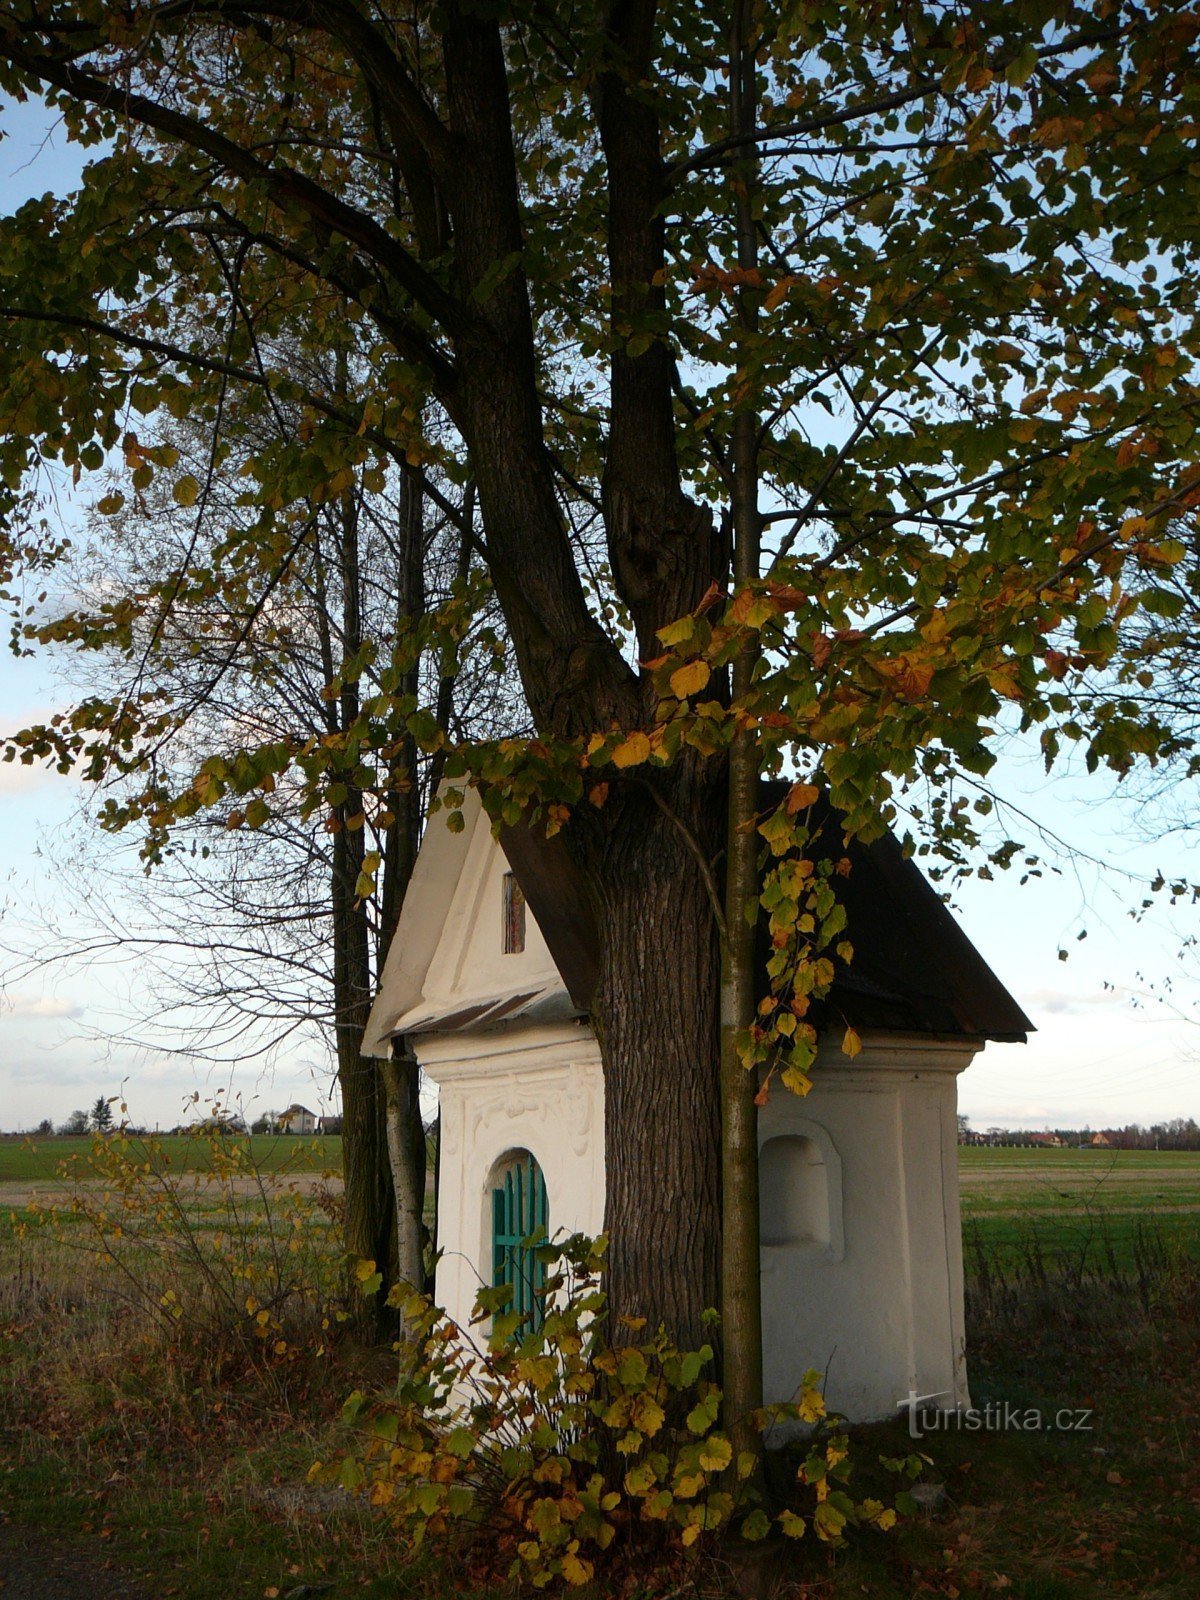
(36, 1160)
(1090, 1207)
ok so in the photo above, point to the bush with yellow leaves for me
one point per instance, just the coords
(231, 1258)
(559, 1446)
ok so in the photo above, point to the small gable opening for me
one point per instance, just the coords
(520, 1222)
(794, 1192)
(512, 911)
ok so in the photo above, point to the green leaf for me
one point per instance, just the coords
(703, 1414)
(460, 1442)
(756, 1526)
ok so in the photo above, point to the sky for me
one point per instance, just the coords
(1117, 1024)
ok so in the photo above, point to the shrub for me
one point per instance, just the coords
(226, 1257)
(557, 1447)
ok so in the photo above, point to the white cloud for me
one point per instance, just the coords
(16, 779)
(1065, 1002)
(40, 1007)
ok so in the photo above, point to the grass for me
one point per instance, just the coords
(1078, 1205)
(189, 1463)
(37, 1160)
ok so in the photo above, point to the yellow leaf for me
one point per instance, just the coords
(575, 1570)
(186, 491)
(648, 1415)
(851, 1043)
(934, 631)
(690, 679)
(715, 1453)
(801, 796)
(631, 752)
(811, 1404)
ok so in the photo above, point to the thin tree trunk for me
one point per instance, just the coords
(400, 1075)
(406, 1152)
(449, 670)
(370, 1226)
(370, 1201)
(741, 1289)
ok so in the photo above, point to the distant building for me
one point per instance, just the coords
(1050, 1139)
(298, 1119)
(1101, 1141)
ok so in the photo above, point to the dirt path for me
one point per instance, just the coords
(35, 1565)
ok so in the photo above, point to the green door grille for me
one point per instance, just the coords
(519, 1211)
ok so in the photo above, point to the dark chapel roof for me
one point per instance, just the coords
(914, 969)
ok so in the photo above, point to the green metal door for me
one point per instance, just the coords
(519, 1211)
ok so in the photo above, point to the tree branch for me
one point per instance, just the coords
(286, 187)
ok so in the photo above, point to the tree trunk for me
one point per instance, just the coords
(400, 1075)
(741, 1285)
(655, 1013)
(406, 1150)
(370, 1205)
(370, 1201)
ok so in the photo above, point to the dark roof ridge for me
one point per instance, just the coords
(914, 969)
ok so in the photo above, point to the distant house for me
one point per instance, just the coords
(489, 982)
(298, 1119)
(1047, 1139)
(1101, 1141)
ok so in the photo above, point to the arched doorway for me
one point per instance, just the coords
(520, 1213)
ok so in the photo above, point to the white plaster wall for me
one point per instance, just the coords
(469, 962)
(537, 1089)
(877, 1307)
(882, 1314)
(448, 951)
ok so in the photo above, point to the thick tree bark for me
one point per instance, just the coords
(655, 1013)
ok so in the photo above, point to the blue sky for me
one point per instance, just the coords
(1106, 1050)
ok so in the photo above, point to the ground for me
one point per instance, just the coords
(36, 1565)
(122, 1477)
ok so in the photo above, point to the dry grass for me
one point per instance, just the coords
(188, 1454)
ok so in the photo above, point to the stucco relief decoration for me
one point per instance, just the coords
(515, 1101)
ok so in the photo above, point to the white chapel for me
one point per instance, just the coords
(488, 982)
